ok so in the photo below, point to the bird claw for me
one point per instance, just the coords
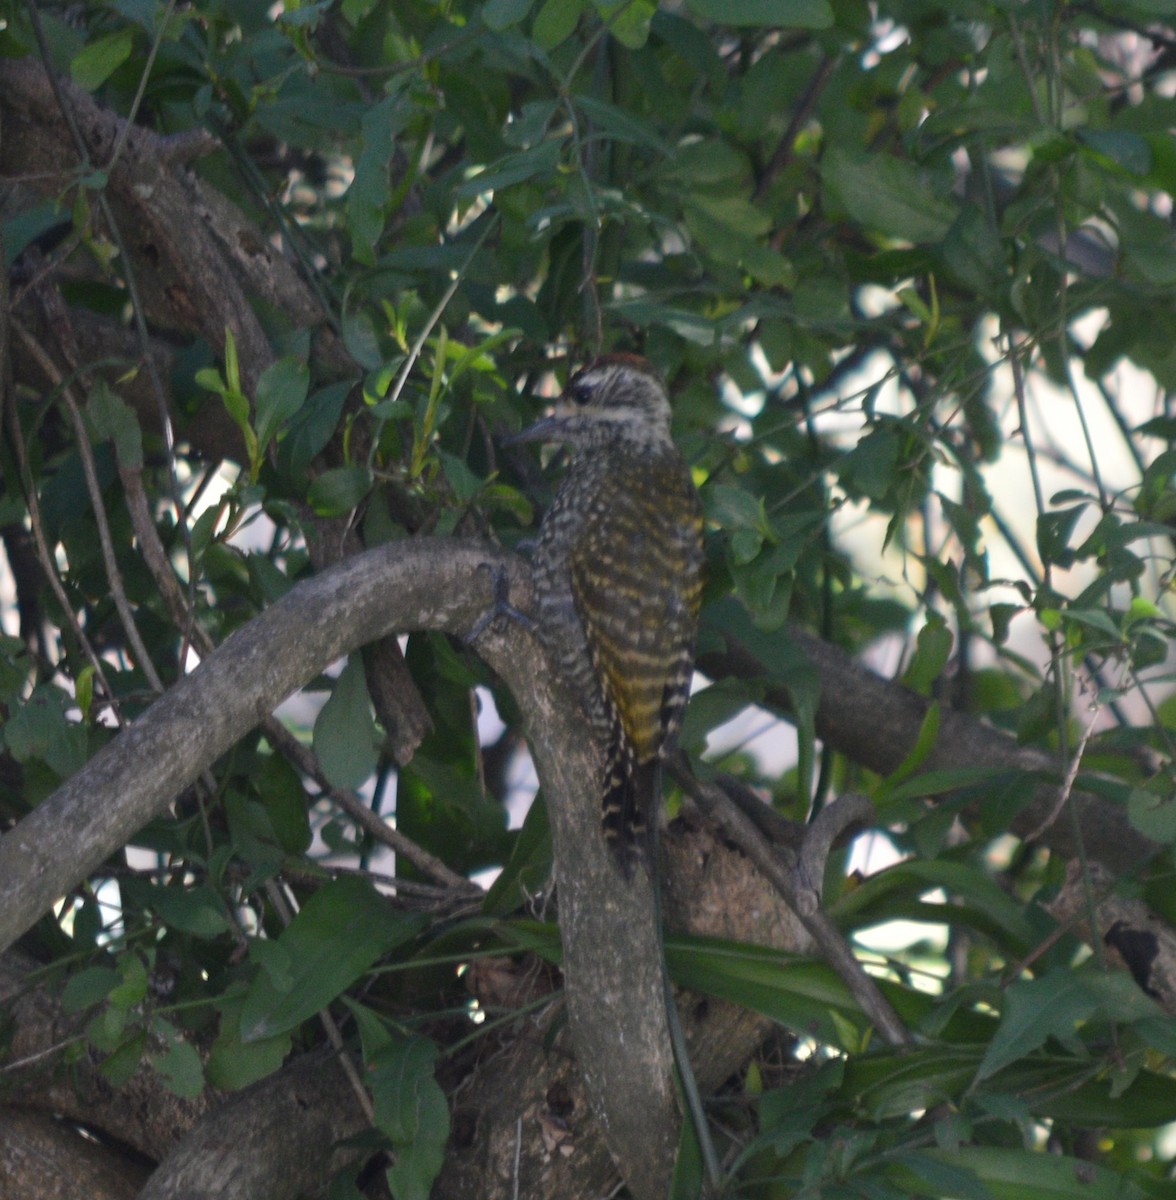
(501, 606)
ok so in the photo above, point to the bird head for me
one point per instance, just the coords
(615, 399)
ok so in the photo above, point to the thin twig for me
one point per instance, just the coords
(439, 308)
(781, 868)
(137, 314)
(94, 488)
(285, 906)
(1067, 787)
(782, 155)
(303, 758)
(144, 75)
(518, 1154)
(48, 562)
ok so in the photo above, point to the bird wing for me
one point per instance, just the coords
(637, 581)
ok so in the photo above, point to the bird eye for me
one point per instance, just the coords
(580, 392)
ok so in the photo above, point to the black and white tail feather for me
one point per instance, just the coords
(630, 802)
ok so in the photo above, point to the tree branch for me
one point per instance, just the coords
(611, 958)
(876, 723)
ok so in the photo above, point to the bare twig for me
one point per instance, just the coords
(782, 868)
(303, 758)
(286, 906)
(47, 561)
(1072, 769)
(105, 541)
(828, 826)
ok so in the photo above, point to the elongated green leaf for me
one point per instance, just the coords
(340, 932)
(114, 418)
(370, 192)
(502, 14)
(337, 491)
(971, 884)
(793, 14)
(888, 195)
(924, 744)
(1014, 1174)
(515, 168)
(345, 733)
(1035, 1010)
(94, 65)
(933, 648)
(412, 1110)
(281, 392)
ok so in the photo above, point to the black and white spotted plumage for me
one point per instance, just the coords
(618, 576)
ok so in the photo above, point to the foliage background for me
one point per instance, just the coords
(909, 271)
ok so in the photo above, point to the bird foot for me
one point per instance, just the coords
(501, 606)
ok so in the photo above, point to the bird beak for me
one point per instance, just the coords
(546, 429)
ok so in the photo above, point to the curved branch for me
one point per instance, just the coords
(612, 961)
(402, 586)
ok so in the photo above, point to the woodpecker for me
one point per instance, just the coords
(618, 581)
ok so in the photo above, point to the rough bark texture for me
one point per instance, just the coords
(43, 1158)
(280, 1138)
(143, 1114)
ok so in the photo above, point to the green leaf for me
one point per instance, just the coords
(538, 160)
(338, 491)
(792, 990)
(1054, 530)
(888, 195)
(180, 1063)
(502, 14)
(792, 14)
(933, 649)
(196, 909)
(369, 197)
(345, 738)
(362, 340)
(1127, 150)
(112, 417)
(411, 1109)
(281, 392)
(628, 20)
(20, 229)
(41, 729)
(555, 23)
(620, 125)
(118, 1067)
(529, 865)
(339, 933)
(233, 1063)
(687, 1182)
(870, 467)
(87, 988)
(1034, 1010)
(944, 1178)
(132, 990)
(93, 66)
(1154, 816)
(1015, 1174)
(924, 744)
(310, 430)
